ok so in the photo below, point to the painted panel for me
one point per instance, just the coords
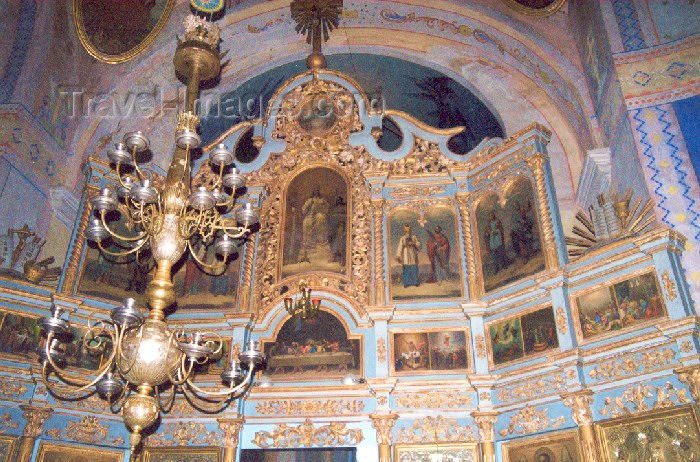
(430, 351)
(522, 337)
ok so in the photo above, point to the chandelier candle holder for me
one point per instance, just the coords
(146, 357)
(304, 307)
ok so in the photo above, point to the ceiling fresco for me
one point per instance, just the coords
(426, 94)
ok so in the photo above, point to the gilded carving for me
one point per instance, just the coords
(34, 418)
(86, 430)
(307, 435)
(12, 389)
(640, 398)
(383, 424)
(561, 321)
(230, 431)
(246, 277)
(634, 363)
(485, 422)
(434, 400)
(687, 346)
(435, 430)
(6, 423)
(77, 252)
(480, 346)
(691, 377)
(310, 407)
(425, 157)
(521, 390)
(531, 420)
(184, 434)
(670, 286)
(580, 405)
(378, 228)
(381, 350)
(469, 256)
(501, 168)
(537, 165)
(485, 395)
(408, 192)
(382, 400)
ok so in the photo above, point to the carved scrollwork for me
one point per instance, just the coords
(670, 286)
(546, 384)
(86, 430)
(435, 430)
(6, 423)
(307, 435)
(531, 420)
(12, 389)
(633, 364)
(310, 407)
(640, 398)
(434, 400)
(184, 434)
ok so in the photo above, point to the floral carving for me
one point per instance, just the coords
(691, 377)
(531, 420)
(669, 285)
(383, 425)
(12, 389)
(230, 431)
(307, 435)
(561, 321)
(185, 434)
(633, 364)
(417, 191)
(381, 350)
(34, 418)
(640, 397)
(480, 346)
(435, 430)
(521, 390)
(6, 423)
(86, 430)
(310, 407)
(434, 400)
(580, 405)
(425, 157)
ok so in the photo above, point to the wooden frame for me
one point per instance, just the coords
(11, 442)
(684, 416)
(79, 453)
(196, 453)
(537, 442)
(412, 450)
(429, 330)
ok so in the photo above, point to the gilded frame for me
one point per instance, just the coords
(4, 311)
(195, 452)
(427, 330)
(442, 202)
(12, 440)
(483, 193)
(554, 437)
(400, 449)
(91, 453)
(126, 56)
(601, 428)
(519, 314)
(609, 283)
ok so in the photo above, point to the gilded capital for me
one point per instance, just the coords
(383, 424)
(691, 377)
(580, 404)
(486, 422)
(34, 417)
(230, 431)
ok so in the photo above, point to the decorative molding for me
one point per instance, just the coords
(310, 407)
(65, 206)
(669, 285)
(382, 400)
(523, 390)
(184, 434)
(480, 346)
(634, 363)
(230, 431)
(408, 192)
(383, 424)
(469, 254)
(12, 389)
(6, 423)
(435, 430)
(485, 422)
(561, 321)
(691, 377)
(537, 164)
(34, 418)
(307, 435)
(580, 405)
(381, 350)
(687, 346)
(595, 176)
(86, 430)
(638, 398)
(531, 420)
(434, 400)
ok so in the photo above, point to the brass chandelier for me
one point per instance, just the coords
(146, 357)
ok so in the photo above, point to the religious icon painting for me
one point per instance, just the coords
(19, 336)
(417, 352)
(315, 221)
(628, 304)
(311, 349)
(555, 447)
(424, 253)
(509, 243)
(522, 337)
(53, 452)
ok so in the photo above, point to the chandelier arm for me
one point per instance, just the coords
(47, 383)
(206, 406)
(220, 341)
(121, 351)
(126, 392)
(116, 235)
(121, 254)
(241, 231)
(136, 164)
(219, 180)
(168, 408)
(119, 176)
(100, 324)
(212, 270)
(183, 364)
(243, 385)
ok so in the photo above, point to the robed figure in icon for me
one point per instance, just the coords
(438, 248)
(496, 242)
(314, 223)
(407, 256)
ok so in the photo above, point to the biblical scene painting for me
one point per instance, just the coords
(51, 452)
(416, 352)
(559, 447)
(619, 306)
(669, 435)
(314, 348)
(424, 251)
(315, 223)
(522, 337)
(509, 236)
(20, 336)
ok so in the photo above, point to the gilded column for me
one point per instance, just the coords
(247, 279)
(691, 377)
(378, 238)
(230, 432)
(74, 261)
(486, 422)
(466, 216)
(580, 404)
(383, 424)
(34, 417)
(537, 165)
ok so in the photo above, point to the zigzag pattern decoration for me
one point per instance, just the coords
(626, 15)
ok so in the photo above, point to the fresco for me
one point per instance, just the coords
(509, 238)
(314, 348)
(416, 352)
(315, 223)
(425, 254)
(623, 305)
(562, 447)
(522, 337)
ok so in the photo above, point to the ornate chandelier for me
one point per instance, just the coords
(304, 307)
(145, 356)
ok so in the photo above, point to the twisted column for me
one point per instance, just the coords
(466, 222)
(230, 433)
(76, 253)
(537, 165)
(486, 422)
(34, 417)
(378, 238)
(580, 404)
(383, 424)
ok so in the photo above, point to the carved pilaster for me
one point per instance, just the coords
(247, 277)
(580, 405)
(34, 417)
(74, 261)
(466, 222)
(537, 164)
(383, 424)
(230, 433)
(486, 422)
(691, 377)
(378, 238)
